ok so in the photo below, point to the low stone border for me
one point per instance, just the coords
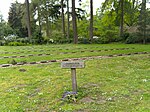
(42, 50)
(30, 55)
(73, 59)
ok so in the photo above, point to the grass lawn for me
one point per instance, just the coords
(118, 84)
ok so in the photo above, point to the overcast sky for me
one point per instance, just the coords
(5, 4)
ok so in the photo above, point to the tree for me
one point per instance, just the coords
(63, 18)
(142, 21)
(50, 12)
(36, 10)
(91, 20)
(122, 17)
(28, 18)
(74, 23)
(15, 18)
(119, 7)
(68, 22)
(131, 12)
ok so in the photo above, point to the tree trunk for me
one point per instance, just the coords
(74, 22)
(122, 17)
(28, 18)
(39, 19)
(68, 24)
(144, 19)
(91, 20)
(63, 18)
(47, 21)
(47, 27)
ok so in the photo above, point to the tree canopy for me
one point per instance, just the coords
(63, 21)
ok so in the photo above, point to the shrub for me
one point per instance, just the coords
(56, 35)
(111, 35)
(23, 40)
(15, 44)
(2, 42)
(101, 40)
(133, 38)
(84, 41)
(125, 36)
(62, 41)
(11, 38)
(13, 62)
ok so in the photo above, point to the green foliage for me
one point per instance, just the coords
(131, 14)
(83, 40)
(83, 28)
(111, 35)
(57, 37)
(143, 23)
(5, 29)
(125, 36)
(13, 62)
(56, 34)
(23, 40)
(70, 97)
(16, 14)
(63, 41)
(16, 44)
(101, 40)
(2, 42)
(133, 38)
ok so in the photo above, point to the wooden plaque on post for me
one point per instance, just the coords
(73, 65)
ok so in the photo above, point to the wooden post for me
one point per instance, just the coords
(73, 66)
(74, 81)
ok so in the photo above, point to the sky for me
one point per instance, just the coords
(5, 4)
(4, 7)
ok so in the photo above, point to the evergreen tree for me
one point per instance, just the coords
(28, 18)
(142, 26)
(63, 18)
(91, 20)
(68, 22)
(15, 19)
(74, 22)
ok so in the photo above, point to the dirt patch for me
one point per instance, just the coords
(87, 100)
(22, 70)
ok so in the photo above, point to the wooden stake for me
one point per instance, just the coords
(74, 81)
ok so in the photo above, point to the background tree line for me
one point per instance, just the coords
(60, 21)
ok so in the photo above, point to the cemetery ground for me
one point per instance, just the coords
(116, 78)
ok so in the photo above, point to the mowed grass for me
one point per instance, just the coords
(57, 52)
(104, 85)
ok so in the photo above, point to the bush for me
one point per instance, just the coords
(56, 35)
(16, 44)
(133, 38)
(11, 38)
(101, 40)
(62, 41)
(23, 40)
(111, 35)
(13, 62)
(125, 36)
(2, 42)
(84, 41)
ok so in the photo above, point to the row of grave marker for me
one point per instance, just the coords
(59, 49)
(73, 59)
(59, 53)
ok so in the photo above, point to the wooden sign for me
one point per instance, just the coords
(73, 64)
